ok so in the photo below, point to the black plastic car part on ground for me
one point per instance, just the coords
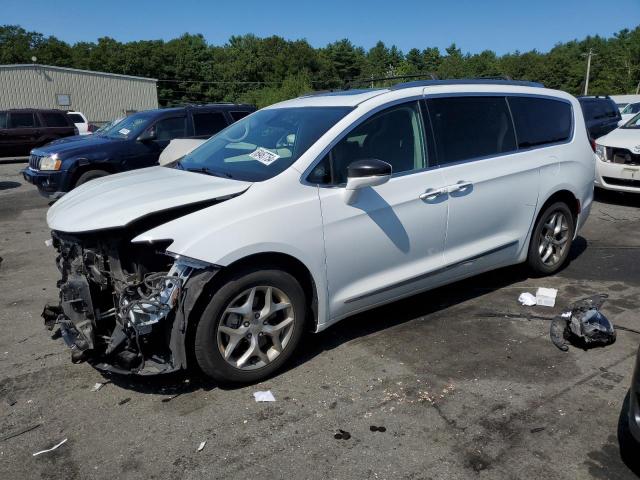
(24, 129)
(601, 115)
(135, 142)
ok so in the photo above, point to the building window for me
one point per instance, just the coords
(63, 99)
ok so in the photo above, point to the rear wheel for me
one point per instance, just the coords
(90, 175)
(551, 239)
(251, 326)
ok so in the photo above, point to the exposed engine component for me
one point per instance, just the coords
(119, 302)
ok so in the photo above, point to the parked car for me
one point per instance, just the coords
(629, 431)
(628, 112)
(618, 153)
(99, 131)
(80, 121)
(601, 115)
(23, 129)
(311, 210)
(135, 142)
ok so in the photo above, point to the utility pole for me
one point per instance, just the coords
(586, 81)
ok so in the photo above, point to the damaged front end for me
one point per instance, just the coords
(124, 306)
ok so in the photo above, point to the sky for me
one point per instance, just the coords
(499, 25)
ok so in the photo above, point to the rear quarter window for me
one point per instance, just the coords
(75, 118)
(53, 119)
(208, 123)
(540, 121)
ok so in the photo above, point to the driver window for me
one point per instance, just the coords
(394, 135)
(170, 128)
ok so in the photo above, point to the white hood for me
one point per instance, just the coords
(117, 200)
(628, 138)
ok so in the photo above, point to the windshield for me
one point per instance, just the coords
(633, 123)
(632, 108)
(130, 127)
(264, 144)
(103, 130)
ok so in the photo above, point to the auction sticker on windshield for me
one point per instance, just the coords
(264, 156)
(124, 131)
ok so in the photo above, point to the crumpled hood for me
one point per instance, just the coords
(628, 138)
(117, 200)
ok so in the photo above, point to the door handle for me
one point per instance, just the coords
(461, 186)
(432, 194)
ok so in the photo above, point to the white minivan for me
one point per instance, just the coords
(311, 210)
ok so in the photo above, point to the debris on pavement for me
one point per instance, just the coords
(342, 435)
(264, 396)
(373, 428)
(582, 325)
(201, 446)
(527, 299)
(124, 400)
(50, 449)
(20, 432)
(48, 243)
(97, 386)
(546, 296)
(537, 429)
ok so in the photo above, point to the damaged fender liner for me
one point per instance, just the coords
(125, 307)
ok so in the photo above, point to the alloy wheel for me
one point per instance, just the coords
(255, 327)
(554, 238)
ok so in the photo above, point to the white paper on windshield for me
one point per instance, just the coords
(264, 156)
(124, 131)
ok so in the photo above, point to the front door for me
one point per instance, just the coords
(388, 242)
(145, 153)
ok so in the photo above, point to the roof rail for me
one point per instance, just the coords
(593, 96)
(466, 81)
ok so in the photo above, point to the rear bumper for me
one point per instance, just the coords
(617, 176)
(634, 401)
(50, 184)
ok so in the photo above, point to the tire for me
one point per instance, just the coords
(90, 175)
(243, 332)
(549, 247)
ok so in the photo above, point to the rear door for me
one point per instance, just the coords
(56, 125)
(23, 132)
(492, 187)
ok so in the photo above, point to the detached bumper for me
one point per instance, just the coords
(634, 401)
(617, 176)
(50, 184)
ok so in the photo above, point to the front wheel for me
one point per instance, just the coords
(551, 239)
(90, 175)
(251, 326)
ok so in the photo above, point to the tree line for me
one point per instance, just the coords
(266, 70)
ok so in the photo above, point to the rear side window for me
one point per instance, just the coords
(471, 127)
(599, 109)
(3, 119)
(22, 120)
(238, 115)
(53, 119)
(208, 123)
(75, 118)
(540, 121)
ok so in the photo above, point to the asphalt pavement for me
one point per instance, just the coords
(464, 379)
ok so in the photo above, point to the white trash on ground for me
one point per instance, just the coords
(50, 449)
(97, 387)
(264, 396)
(201, 446)
(527, 299)
(544, 296)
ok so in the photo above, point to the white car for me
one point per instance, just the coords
(80, 121)
(311, 210)
(618, 154)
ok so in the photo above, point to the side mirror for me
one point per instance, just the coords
(365, 173)
(148, 135)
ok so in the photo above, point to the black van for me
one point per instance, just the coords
(134, 142)
(601, 115)
(26, 128)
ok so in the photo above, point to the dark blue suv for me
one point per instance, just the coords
(134, 142)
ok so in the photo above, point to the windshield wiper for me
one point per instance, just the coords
(208, 171)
